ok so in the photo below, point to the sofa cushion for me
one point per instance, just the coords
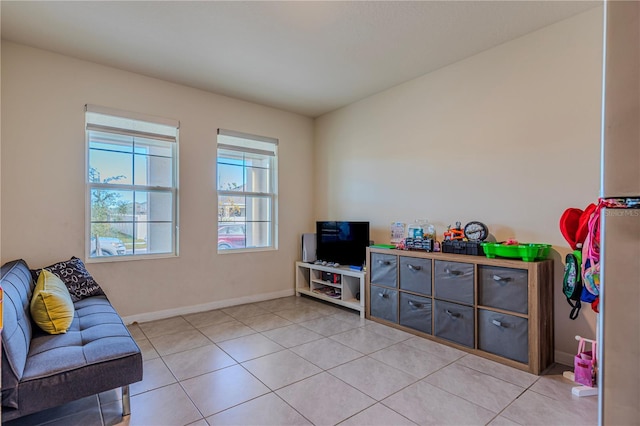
(96, 354)
(97, 334)
(75, 276)
(17, 286)
(51, 306)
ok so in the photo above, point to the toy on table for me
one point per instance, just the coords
(454, 234)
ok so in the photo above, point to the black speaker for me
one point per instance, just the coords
(309, 248)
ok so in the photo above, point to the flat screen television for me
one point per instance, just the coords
(342, 242)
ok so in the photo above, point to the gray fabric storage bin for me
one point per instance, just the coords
(503, 288)
(384, 303)
(453, 322)
(454, 281)
(504, 335)
(384, 269)
(415, 312)
(415, 275)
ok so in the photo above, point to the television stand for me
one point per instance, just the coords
(342, 286)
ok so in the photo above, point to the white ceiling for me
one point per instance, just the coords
(301, 56)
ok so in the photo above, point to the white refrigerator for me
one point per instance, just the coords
(619, 319)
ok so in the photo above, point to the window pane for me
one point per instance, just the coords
(153, 171)
(229, 156)
(231, 235)
(111, 206)
(153, 147)
(107, 239)
(257, 180)
(154, 206)
(258, 234)
(258, 209)
(110, 142)
(257, 160)
(110, 167)
(231, 209)
(230, 177)
(158, 237)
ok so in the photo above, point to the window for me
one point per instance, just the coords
(132, 184)
(247, 191)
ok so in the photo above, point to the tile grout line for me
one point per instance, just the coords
(144, 335)
(326, 370)
(271, 391)
(238, 363)
(274, 391)
(514, 400)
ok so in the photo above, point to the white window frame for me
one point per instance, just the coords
(137, 126)
(243, 144)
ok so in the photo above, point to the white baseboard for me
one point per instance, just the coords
(564, 358)
(218, 304)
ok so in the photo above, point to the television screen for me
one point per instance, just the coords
(342, 242)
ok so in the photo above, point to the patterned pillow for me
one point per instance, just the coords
(75, 276)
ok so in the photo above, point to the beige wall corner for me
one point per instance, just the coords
(510, 137)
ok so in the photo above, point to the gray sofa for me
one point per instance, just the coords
(40, 370)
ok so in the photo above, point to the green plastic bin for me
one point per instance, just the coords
(527, 252)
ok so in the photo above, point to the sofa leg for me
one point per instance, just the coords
(126, 401)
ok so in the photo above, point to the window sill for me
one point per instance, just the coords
(126, 258)
(247, 250)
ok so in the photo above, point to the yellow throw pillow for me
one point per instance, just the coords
(51, 305)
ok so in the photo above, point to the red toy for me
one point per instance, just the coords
(454, 234)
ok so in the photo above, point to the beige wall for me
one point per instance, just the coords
(43, 172)
(509, 137)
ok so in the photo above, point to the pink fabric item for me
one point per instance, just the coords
(585, 365)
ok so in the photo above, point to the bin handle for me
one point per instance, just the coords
(499, 278)
(498, 323)
(453, 272)
(384, 296)
(415, 305)
(384, 262)
(414, 267)
(452, 314)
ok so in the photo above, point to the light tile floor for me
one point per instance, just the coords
(299, 361)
